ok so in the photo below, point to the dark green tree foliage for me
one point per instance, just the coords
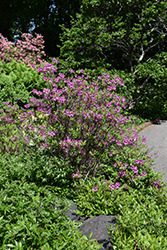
(34, 16)
(119, 34)
(7, 16)
(49, 20)
(126, 35)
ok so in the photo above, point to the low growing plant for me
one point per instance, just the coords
(140, 212)
(33, 216)
(142, 221)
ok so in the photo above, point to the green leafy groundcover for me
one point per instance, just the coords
(29, 214)
(30, 218)
(17, 80)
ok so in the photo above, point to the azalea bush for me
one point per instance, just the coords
(29, 49)
(75, 136)
(83, 122)
(79, 124)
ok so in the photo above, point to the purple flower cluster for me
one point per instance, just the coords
(77, 175)
(111, 186)
(157, 184)
(95, 189)
(116, 185)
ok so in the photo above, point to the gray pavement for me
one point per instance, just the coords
(157, 141)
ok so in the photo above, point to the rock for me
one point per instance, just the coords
(97, 225)
(72, 215)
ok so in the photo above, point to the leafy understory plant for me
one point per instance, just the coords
(32, 216)
(17, 80)
(142, 221)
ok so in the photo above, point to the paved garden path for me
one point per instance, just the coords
(157, 141)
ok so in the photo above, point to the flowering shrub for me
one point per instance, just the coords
(83, 122)
(29, 49)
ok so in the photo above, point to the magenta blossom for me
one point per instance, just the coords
(51, 133)
(134, 169)
(144, 173)
(112, 187)
(117, 185)
(105, 181)
(77, 175)
(73, 175)
(156, 184)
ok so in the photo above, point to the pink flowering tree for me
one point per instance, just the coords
(29, 49)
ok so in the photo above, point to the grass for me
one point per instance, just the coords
(36, 189)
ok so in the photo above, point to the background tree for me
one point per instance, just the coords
(43, 17)
(121, 35)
